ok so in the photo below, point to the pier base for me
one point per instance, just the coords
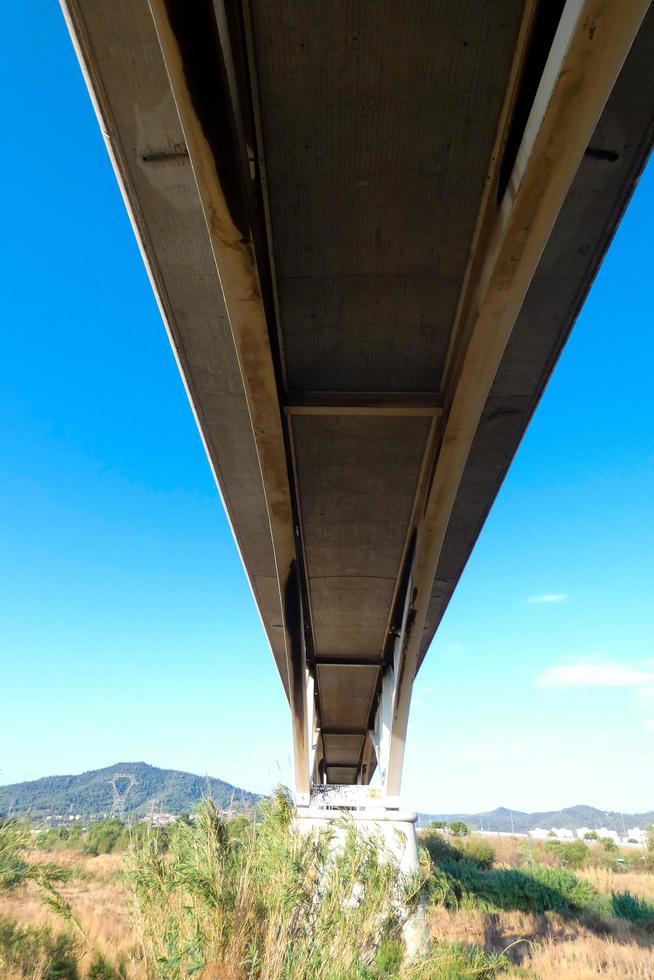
(396, 829)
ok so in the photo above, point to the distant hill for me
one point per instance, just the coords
(91, 793)
(505, 821)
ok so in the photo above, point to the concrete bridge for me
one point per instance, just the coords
(370, 227)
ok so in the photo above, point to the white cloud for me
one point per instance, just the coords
(548, 597)
(591, 673)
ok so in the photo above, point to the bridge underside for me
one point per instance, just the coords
(370, 233)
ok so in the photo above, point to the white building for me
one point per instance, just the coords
(634, 837)
(162, 819)
(556, 833)
(563, 833)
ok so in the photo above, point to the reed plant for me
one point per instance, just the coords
(267, 902)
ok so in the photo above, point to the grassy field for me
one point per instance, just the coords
(550, 946)
(99, 900)
(601, 932)
(221, 903)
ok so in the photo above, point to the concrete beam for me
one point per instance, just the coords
(225, 208)
(362, 403)
(589, 49)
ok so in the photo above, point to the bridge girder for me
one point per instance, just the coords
(218, 204)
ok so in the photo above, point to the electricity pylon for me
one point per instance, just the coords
(120, 795)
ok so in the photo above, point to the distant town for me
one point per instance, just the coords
(156, 818)
(632, 836)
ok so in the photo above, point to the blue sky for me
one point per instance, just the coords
(127, 629)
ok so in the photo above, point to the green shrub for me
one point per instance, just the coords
(575, 893)
(632, 907)
(535, 889)
(477, 849)
(388, 960)
(572, 855)
(102, 969)
(239, 827)
(48, 839)
(458, 828)
(103, 837)
(439, 847)
(457, 961)
(474, 888)
(474, 849)
(443, 889)
(65, 835)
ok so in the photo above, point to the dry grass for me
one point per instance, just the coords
(497, 931)
(99, 902)
(37, 974)
(508, 850)
(543, 947)
(590, 957)
(606, 880)
(102, 867)
(549, 947)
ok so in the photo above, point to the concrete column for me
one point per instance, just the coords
(396, 829)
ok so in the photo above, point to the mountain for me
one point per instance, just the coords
(570, 817)
(92, 793)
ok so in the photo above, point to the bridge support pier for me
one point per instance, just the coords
(395, 829)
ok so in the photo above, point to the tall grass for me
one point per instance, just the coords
(267, 903)
(37, 952)
(258, 901)
(614, 880)
(40, 951)
(16, 870)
